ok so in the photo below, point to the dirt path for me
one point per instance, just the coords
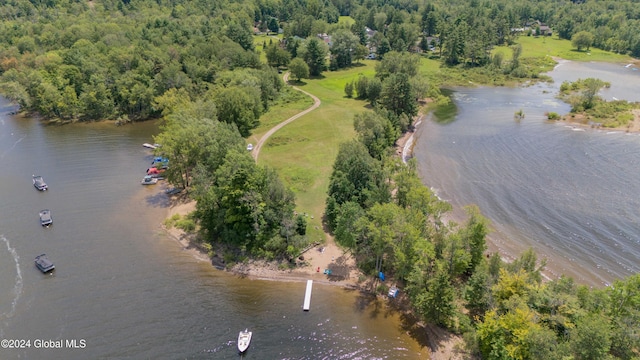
(316, 102)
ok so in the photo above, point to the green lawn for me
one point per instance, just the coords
(346, 20)
(290, 103)
(259, 40)
(553, 46)
(303, 151)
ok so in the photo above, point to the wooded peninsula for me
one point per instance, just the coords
(210, 71)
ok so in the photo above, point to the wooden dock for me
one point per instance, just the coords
(307, 296)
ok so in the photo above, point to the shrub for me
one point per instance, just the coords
(170, 222)
(348, 89)
(361, 86)
(382, 289)
(553, 116)
(186, 225)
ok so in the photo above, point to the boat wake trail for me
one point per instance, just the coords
(12, 147)
(17, 288)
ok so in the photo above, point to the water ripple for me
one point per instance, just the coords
(17, 287)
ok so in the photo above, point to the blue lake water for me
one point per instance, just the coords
(131, 292)
(570, 193)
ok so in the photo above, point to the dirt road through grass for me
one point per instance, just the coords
(316, 102)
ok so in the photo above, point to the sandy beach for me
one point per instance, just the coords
(312, 266)
(313, 263)
(442, 344)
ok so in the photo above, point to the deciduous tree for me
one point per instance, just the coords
(299, 69)
(582, 40)
(240, 107)
(344, 47)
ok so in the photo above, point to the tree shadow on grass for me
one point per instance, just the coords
(296, 82)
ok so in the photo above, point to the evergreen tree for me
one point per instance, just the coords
(397, 95)
(314, 56)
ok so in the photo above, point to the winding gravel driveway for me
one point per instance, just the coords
(316, 102)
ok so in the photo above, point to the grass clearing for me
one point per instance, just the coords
(303, 152)
(346, 20)
(552, 46)
(290, 103)
(262, 39)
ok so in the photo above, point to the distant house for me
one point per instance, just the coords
(326, 38)
(540, 27)
(545, 30)
(369, 32)
(432, 42)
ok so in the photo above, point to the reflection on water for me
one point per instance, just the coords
(446, 113)
(571, 195)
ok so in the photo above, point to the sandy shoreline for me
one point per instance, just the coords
(441, 344)
(315, 260)
(580, 122)
(329, 255)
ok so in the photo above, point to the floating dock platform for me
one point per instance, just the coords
(307, 296)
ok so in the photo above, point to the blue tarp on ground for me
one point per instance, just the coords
(381, 275)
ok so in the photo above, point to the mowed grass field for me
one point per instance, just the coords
(303, 152)
(290, 103)
(541, 46)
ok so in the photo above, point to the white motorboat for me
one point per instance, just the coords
(45, 218)
(39, 183)
(244, 339)
(149, 180)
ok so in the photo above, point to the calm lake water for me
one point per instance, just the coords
(128, 290)
(570, 194)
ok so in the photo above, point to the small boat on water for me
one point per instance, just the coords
(155, 172)
(160, 162)
(149, 180)
(151, 146)
(45, 218)
(38, 183)
(173, 191)
(44, 264)
(244, 339)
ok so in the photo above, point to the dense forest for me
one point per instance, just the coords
(379, 209)
(113, 59)
(194, 64)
